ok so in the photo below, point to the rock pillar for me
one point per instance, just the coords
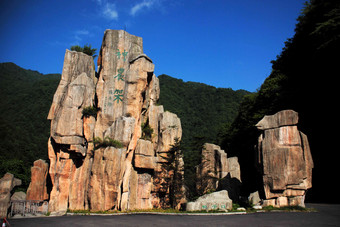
(114, 157)
(37, 189)
(284, 159)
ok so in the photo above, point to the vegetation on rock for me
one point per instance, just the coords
(147, 131)
(90, 111)
(106, 142)
(87, 49)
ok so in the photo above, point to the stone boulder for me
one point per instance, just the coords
(18, 196)
(254, 198)
(7, 183)
(37, 189)
(218, 172)
(213, 201)
(284, 159)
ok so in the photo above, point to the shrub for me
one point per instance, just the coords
(147, 131)
(107, 142)
(90, 111)
(87, 49)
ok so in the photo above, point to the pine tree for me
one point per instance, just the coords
(174, 167)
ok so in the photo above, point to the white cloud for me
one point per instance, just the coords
(138, 7)
(107, 9)
(110, 12)
(82, 32)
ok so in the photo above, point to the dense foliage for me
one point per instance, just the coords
(204, 112)
(303, 78)
(25, 98)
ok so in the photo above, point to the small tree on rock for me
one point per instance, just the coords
(87, 49)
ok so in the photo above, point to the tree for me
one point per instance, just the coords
(87, 49)
(303, 78)
(77, 48)
(175, 169)
(203, 109)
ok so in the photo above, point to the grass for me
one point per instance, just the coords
(287, 208)
(234, 209)
(161, 211)
(282, 209)
(123, 212)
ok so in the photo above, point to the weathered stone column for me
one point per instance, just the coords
(37, 189)
(284, 159)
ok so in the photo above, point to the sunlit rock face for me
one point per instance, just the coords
(37, 189)
(125, 91)
(284, 159)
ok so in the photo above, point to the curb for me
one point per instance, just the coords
(157, 213)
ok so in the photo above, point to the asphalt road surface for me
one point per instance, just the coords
(326, 215)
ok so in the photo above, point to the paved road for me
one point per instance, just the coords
(326, 215)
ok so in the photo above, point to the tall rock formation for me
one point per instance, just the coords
(284, 159)
(218, 172)
(112, 159)
(68, 147)
(37, 190)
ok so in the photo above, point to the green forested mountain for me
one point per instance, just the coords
(303, 78)
(25, 99)
(26, 96)
(203, 109)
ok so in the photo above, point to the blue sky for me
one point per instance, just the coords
(224, 43)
